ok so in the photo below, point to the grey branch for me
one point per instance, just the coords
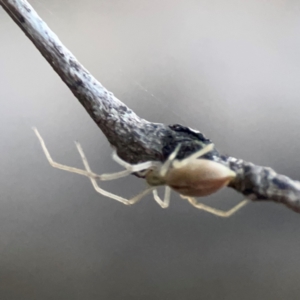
(136, 139)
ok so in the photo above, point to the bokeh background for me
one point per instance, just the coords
(230, 69)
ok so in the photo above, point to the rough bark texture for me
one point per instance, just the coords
(136, 139)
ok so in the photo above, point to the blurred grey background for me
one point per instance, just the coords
(230, 69)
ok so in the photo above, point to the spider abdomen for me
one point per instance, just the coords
(199, 178)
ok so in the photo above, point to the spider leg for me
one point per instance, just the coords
(180, 163)
(163, 203)
(165, 167)
(108, 194)
(136, 167)
(60, 166)
(124, 173)
(215, 211)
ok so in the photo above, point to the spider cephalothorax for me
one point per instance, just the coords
(191, 177)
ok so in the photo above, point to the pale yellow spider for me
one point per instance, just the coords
(190, 177)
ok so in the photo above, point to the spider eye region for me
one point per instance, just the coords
(154, 178)
(199, 178)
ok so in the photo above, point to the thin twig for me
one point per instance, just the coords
(135, 139)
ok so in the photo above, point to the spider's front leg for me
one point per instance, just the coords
(58, 165)
(105, 193)
(88, 172)
(129, 168)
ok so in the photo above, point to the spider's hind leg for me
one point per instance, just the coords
(215, 211)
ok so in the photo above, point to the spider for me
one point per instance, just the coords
(190, 177)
